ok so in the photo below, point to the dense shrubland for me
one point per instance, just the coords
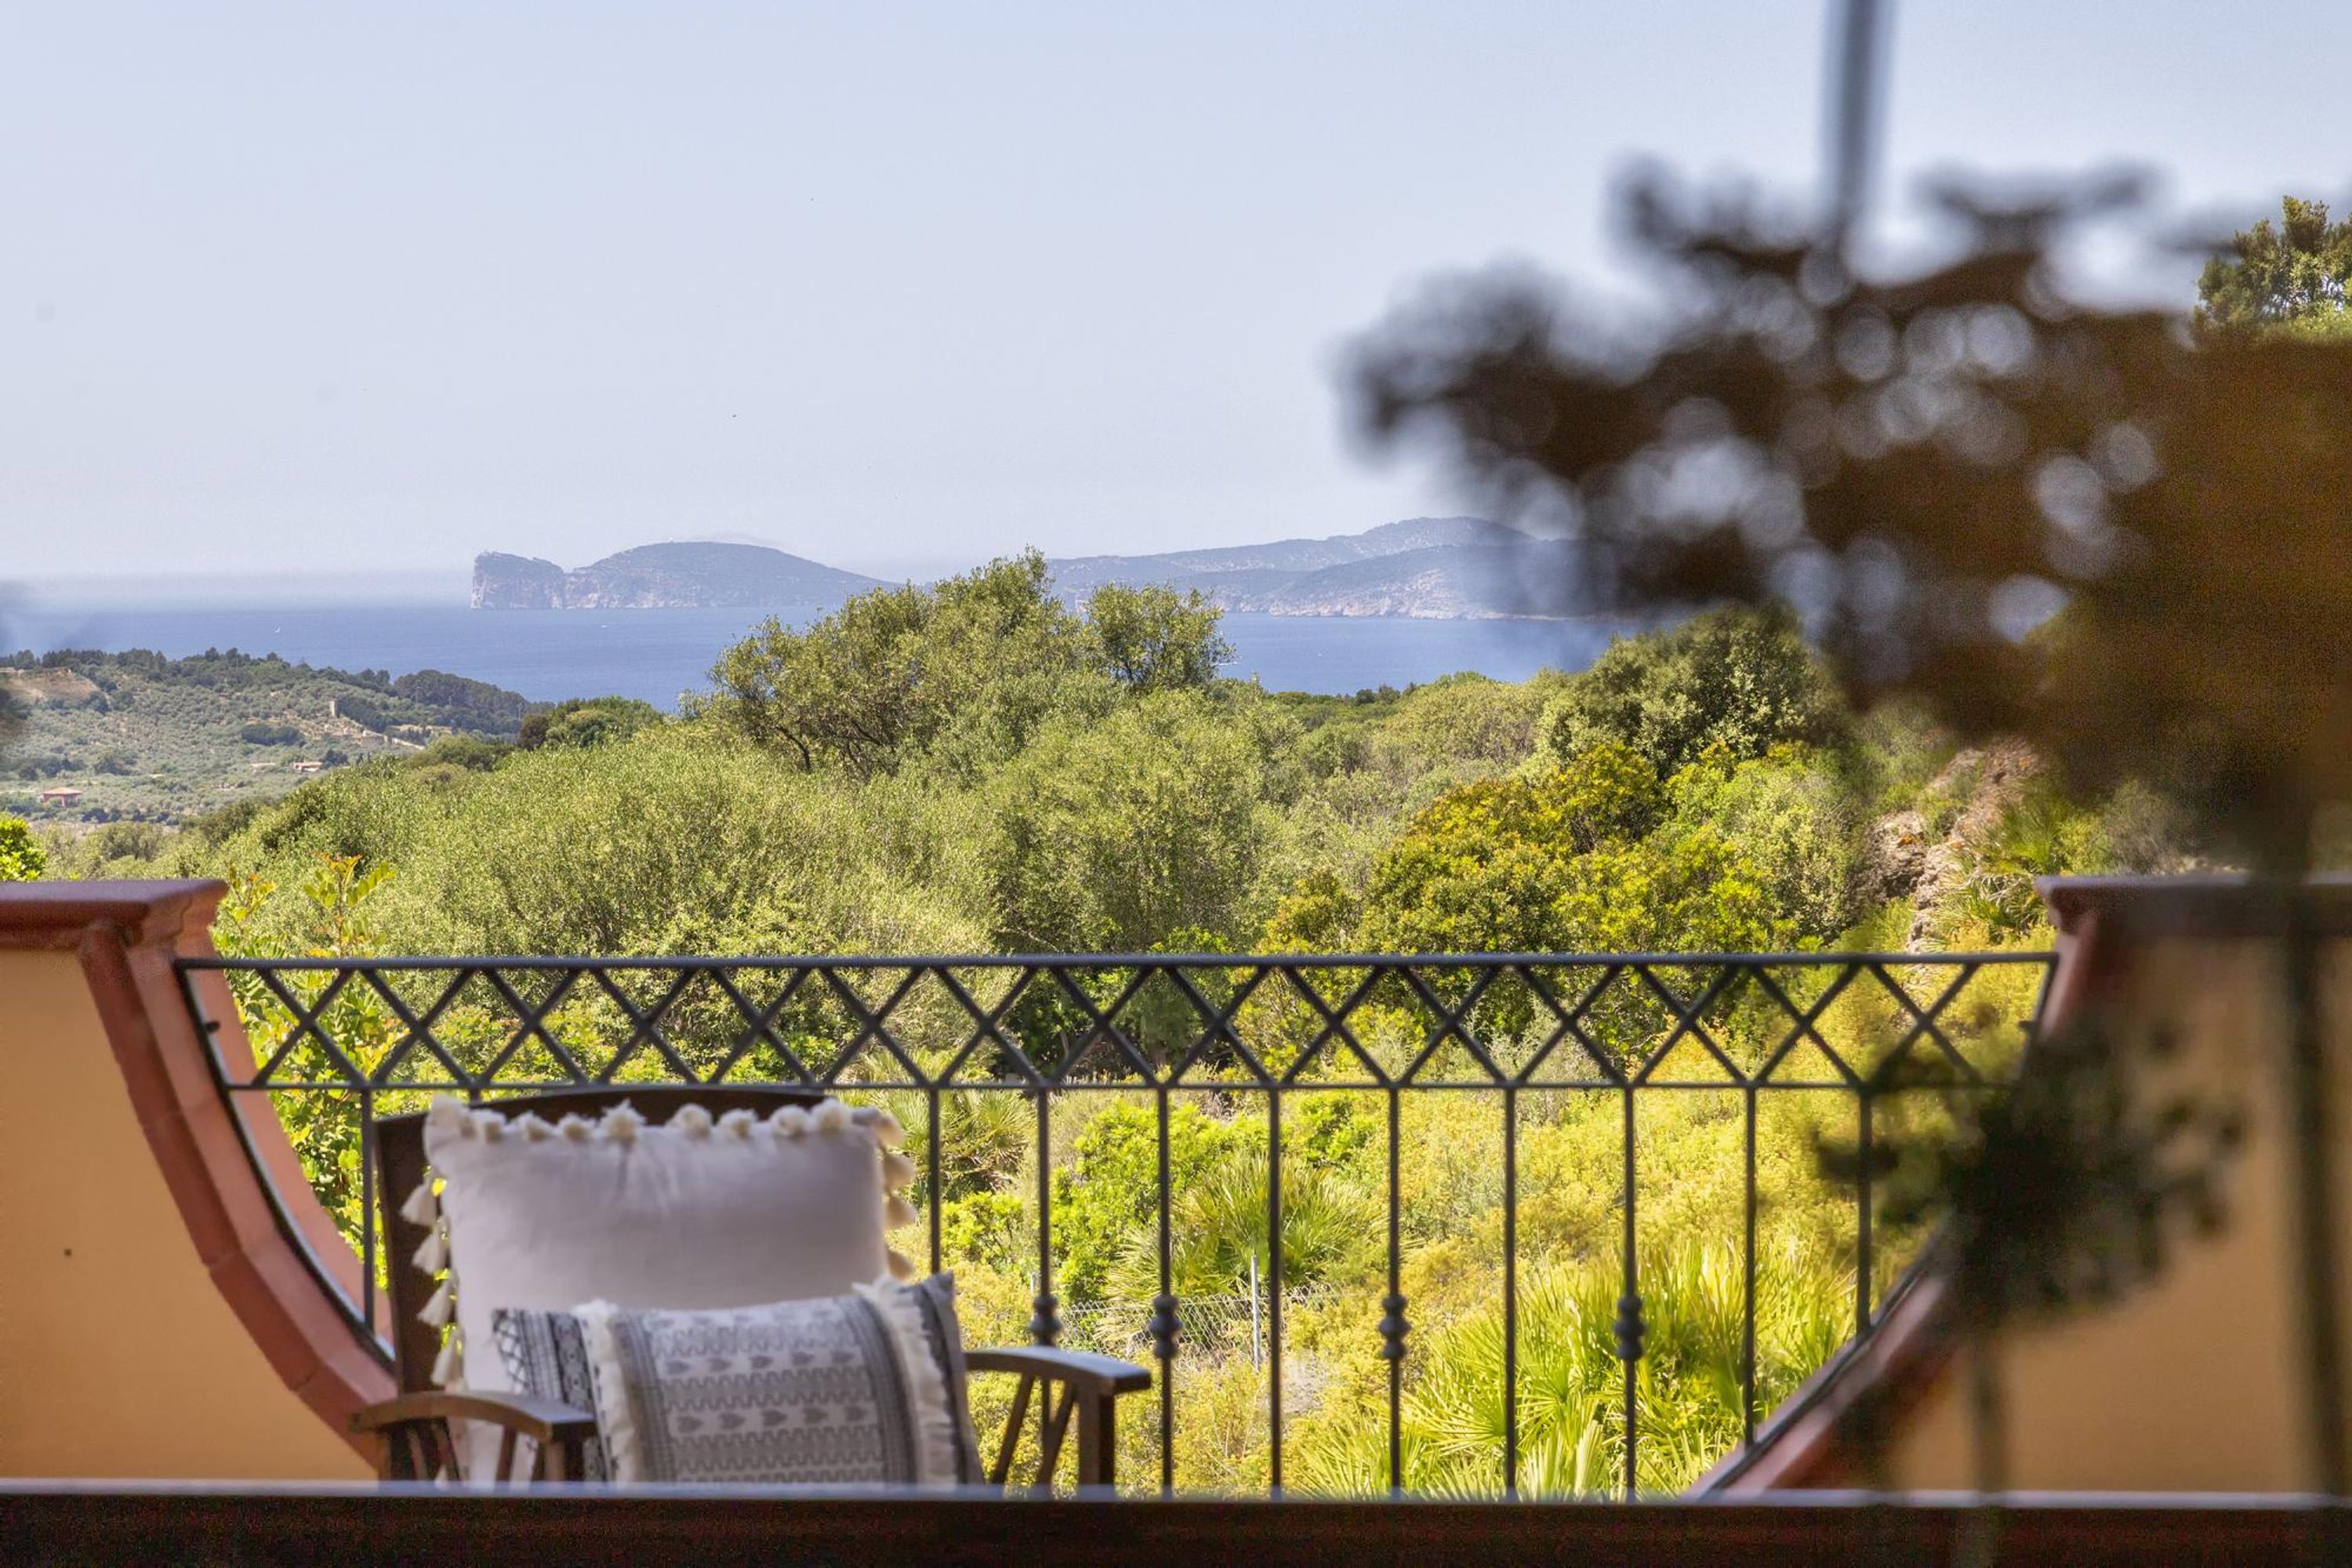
(976, 768)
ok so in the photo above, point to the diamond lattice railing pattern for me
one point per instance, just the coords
(1444, 1075)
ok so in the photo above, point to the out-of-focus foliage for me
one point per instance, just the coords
(2294, 277)
(1933, 466)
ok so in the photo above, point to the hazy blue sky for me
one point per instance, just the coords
(314, 288)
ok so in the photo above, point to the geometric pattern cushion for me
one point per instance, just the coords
(859, 1389)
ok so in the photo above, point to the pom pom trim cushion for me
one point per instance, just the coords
(464, 1142)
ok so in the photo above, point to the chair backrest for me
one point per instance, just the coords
(400, 1166)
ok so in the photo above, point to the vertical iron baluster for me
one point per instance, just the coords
(1044, 1323)
(1862, 1237)
(1629, 1324)
(937, 1201)
(1164, 1324)
(367, 1207)
(1274, 1282)
(1392, 1320)
(1747, 1289)
(1510, 1292)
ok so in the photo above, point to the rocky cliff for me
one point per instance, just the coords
(516, 583)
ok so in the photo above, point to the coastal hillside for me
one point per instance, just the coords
(1527, 577)
(1432, 567)
(1289, 557)
(137, 735)
(702, 574)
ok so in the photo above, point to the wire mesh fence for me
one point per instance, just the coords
(1232, 1326)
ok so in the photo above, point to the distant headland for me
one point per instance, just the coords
(1430, 568)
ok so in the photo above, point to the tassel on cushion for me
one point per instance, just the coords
(692, 1120)
(449, 1367)
(897, 1172)
(441, 1307)
(434, 1256)
(830, 1116)
(902, 1268)
(447, 1113)
(792, 1121)
(898, 1213)
(422, 1207)
(880, 1125)
(737, 1123)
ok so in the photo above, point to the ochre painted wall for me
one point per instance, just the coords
(118, 1356)
(2197, 1381)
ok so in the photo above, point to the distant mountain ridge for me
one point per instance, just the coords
(1440, 567)
(1436, 567)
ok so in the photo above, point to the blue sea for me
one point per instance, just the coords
(657, 655)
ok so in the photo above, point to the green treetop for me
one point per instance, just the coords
(962, 671)
(2295, 275)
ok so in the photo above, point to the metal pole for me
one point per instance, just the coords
(1256, 1359)
(1859, 50)
(2311, 1115)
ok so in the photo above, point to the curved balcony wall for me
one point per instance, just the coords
(154, 1319)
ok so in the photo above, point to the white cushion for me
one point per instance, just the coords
(697, 1213)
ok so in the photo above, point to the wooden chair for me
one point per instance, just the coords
(412, 1428)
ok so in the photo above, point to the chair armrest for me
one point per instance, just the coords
(415, 1443)
(1090, 1386)
(1082, 1370)
(540, 1420)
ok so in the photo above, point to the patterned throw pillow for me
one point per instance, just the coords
(546, 1354)
(845, 1390)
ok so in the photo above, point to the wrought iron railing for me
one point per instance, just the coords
(339, 1042)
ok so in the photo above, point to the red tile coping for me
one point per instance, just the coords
(126, 935)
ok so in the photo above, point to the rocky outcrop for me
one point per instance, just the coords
(1930, 859)
(689, 575)
(504, 582)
